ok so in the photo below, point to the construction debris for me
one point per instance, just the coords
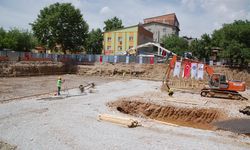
(131, 123)
(88, 86)
(245, 111)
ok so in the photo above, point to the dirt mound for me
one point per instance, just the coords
(16, 69)
(191, 117)
(130, 70)
(156, 72)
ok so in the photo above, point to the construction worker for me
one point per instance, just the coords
(59, 85)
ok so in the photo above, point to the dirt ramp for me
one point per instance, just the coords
(191, 117)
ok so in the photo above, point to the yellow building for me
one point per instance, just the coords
(116, 42)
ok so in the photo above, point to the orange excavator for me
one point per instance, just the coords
(218, 85)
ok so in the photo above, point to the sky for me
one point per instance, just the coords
(196, 17)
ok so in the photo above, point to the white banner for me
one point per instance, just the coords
(127, 59)
(177, 69)
(211, 63)
(194, 70)
(140, 60)
(89, 58)
(200, 71)
(115, 59)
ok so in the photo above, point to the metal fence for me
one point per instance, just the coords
(17, 56)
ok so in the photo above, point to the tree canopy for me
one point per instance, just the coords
(61, 24)
(94, 42)
(112, 24)
(16, 39)
(201, 48)
(233, 40)
(176, 44)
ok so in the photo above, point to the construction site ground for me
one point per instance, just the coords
(32, 117)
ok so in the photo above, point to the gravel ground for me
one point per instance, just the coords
(71, 122)
(25, 86)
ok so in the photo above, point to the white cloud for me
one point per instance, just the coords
(190, 5)
(105, 10)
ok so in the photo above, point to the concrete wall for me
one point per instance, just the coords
(144, 35)
(160, 30)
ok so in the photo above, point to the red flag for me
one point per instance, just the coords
(187, 69)
(164, 53)
(100, 59)
(151, 60)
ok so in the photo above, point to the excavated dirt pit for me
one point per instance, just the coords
(191, 117)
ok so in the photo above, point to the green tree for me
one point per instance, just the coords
(94, 42)
(16, 39)
(61, 24)
(201, 48)
(176, 44)
(112, 24)
(234, 39)
(2, 36)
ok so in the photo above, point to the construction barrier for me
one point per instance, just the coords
(80, 58)
(100, 59)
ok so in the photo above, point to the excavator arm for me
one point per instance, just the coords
(166, 77)
(209, 70)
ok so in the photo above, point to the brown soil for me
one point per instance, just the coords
(191, 117)
(156, 72)
(14, 88)
(17, 69)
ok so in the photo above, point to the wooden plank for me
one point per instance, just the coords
(119, 120)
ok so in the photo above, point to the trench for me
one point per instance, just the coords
(190, 117)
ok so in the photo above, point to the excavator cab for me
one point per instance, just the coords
(218, 81)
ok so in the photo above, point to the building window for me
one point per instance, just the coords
(131, 38)
(164, 30)
(119, 48)
(108, 47)
(120, 39)
(109, 39)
